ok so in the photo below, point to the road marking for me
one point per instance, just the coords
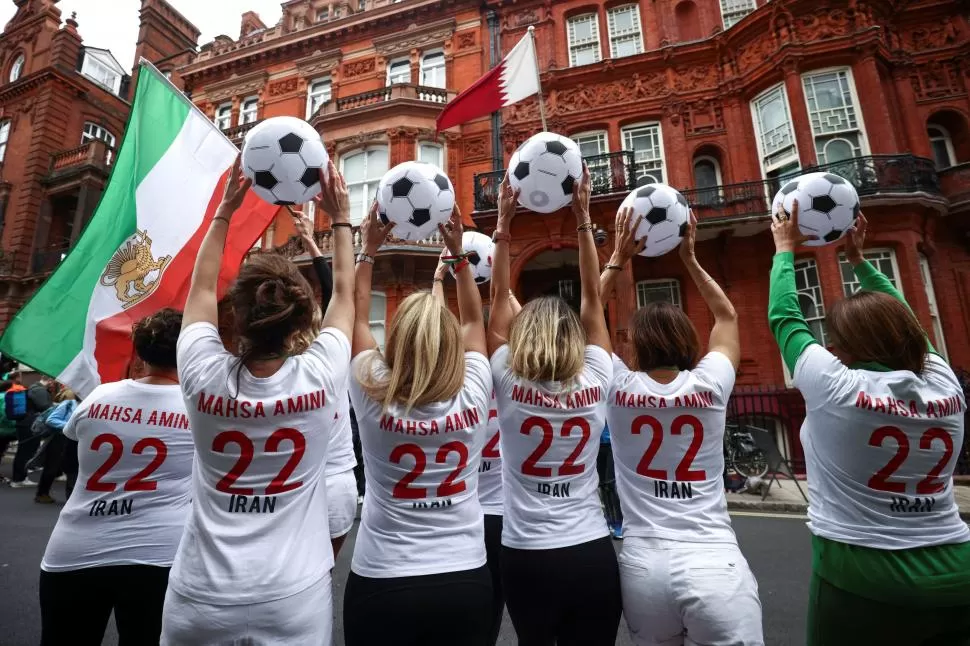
(764, 514)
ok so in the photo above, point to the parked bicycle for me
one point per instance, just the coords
(740, 452)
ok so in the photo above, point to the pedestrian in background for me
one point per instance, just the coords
(8, 429)
(57, 447)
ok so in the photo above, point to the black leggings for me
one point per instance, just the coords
(75, 605)
(433, 610)
(567, 597)
(493, 548)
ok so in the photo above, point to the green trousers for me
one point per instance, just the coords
(840, 618)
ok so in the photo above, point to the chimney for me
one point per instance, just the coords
(66, 45)
(250, 22)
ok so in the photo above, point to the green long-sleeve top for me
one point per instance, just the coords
(930, 576)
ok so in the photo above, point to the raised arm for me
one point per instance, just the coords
(335, 202)
(785, 316)
(438, 285)
(624, 248)
(373, 234)
(725, 335)
(500, 317)
(469, 299)
(202, 304)
(591, 305)
(304, 226)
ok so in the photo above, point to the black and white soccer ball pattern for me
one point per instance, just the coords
(545, 168)
(665, 215)
(416, 197)
(828, 206)
(283, 156)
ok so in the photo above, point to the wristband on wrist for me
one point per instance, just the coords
(501, 236)
(221, 217)
(611, 266)
(588, 226)
(461, 264)
(363, 257)
(348, 225)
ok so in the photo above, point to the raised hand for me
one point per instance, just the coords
(373, 232)
(785, 230)
(508, 199)
(235, 190)
(452, 232)
(855, 242)
(334, 200)
(582, 191)
(687, 245)
(303, 224)
(626, 245)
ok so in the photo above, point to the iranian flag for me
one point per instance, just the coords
(137, 253)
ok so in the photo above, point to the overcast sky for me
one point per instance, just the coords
(113, 24)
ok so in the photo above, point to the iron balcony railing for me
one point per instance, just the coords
(238, 133)
(619, 173)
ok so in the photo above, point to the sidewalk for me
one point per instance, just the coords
(786, 499)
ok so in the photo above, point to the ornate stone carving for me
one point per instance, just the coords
(283, 86)
(318, 63)
(467, 40)
(358, 68)
(937, 80)
(415, 37)
(236, 86)
(823, 24)
(931, 37)
(703, 118)
(474, 148)
(695, 78)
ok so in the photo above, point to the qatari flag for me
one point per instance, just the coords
(514, 79)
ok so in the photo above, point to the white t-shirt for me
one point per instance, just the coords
(340, 456)
(258, 529)
(880, 449)
(132, 496)
(421, 513)
(668, 448)
(549, 444)
(490, 493)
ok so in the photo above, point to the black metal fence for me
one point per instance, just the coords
(778, 409)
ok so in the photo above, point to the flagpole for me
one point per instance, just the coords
(535, 51)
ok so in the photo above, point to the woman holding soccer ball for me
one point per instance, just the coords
(552, 370)
(683, 577)
(418, 575)
(254, 562)
(884, 423)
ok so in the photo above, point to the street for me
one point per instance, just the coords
(777, 547)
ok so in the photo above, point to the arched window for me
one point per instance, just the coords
(4, 137)
(433, 69)
(94, 131)
(250, 110)
(224, 116)
(707, 180)
(363, 170)
(688, 22)
(942, 146)
(320, 92)
(17, 68)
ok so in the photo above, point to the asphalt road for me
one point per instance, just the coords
(777, 547)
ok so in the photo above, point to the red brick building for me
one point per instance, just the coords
(63, 108)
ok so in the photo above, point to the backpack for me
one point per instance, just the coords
(39, 427)
(15, 403)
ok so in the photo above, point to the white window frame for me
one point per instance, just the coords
(92, 130)
(634, 35)
(223, 119)
(836, 135)
(733, 11)
(877, 256)
(4, 138)
(357, 218)
(708, 194)
(594, 40)
(815, 293)
(319, 93)
(17, 69)
(627, 134)
(419, 155)
(767, 167)
(672, 285)
(249, 110)
(599, 170)
(944, 136)
(935, 319)
(323, 13)
(378, 323)
(100, 72)
(437, 69)
(390, 71)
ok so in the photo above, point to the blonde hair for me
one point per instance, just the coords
(424, 353)
(63, 396)
(547, 342)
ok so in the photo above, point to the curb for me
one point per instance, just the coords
(789, 507)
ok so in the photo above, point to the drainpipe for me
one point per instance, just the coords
(495, 54)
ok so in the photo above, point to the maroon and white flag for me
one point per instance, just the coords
(514, 79)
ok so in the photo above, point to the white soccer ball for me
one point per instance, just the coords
(828, 206)
(665, 217)
(544, 169)
(283, 156)
(416, 197)
(480, 250)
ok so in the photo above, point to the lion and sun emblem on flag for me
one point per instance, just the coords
(130, 267)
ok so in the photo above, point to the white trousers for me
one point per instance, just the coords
(303, 619)
(689, 594)
(341, 502)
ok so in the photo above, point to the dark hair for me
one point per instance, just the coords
(875, 327)
(156, 336)
(5, 386)
(272, 304)
(663, 336)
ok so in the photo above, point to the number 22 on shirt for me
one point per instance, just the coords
(248, 499)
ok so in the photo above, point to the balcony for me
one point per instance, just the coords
(419, 99)
(955, 186)
(293, 248)
(238, 133)
(92, 157)
(874, 176)
(46, 260)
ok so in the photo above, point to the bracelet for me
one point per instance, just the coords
(221, 217)
(585, 227)
(363, 257)
(461, 264)
(334, 225)
(612, 266)
(501, 237)
(439, 280)
(453, 260)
